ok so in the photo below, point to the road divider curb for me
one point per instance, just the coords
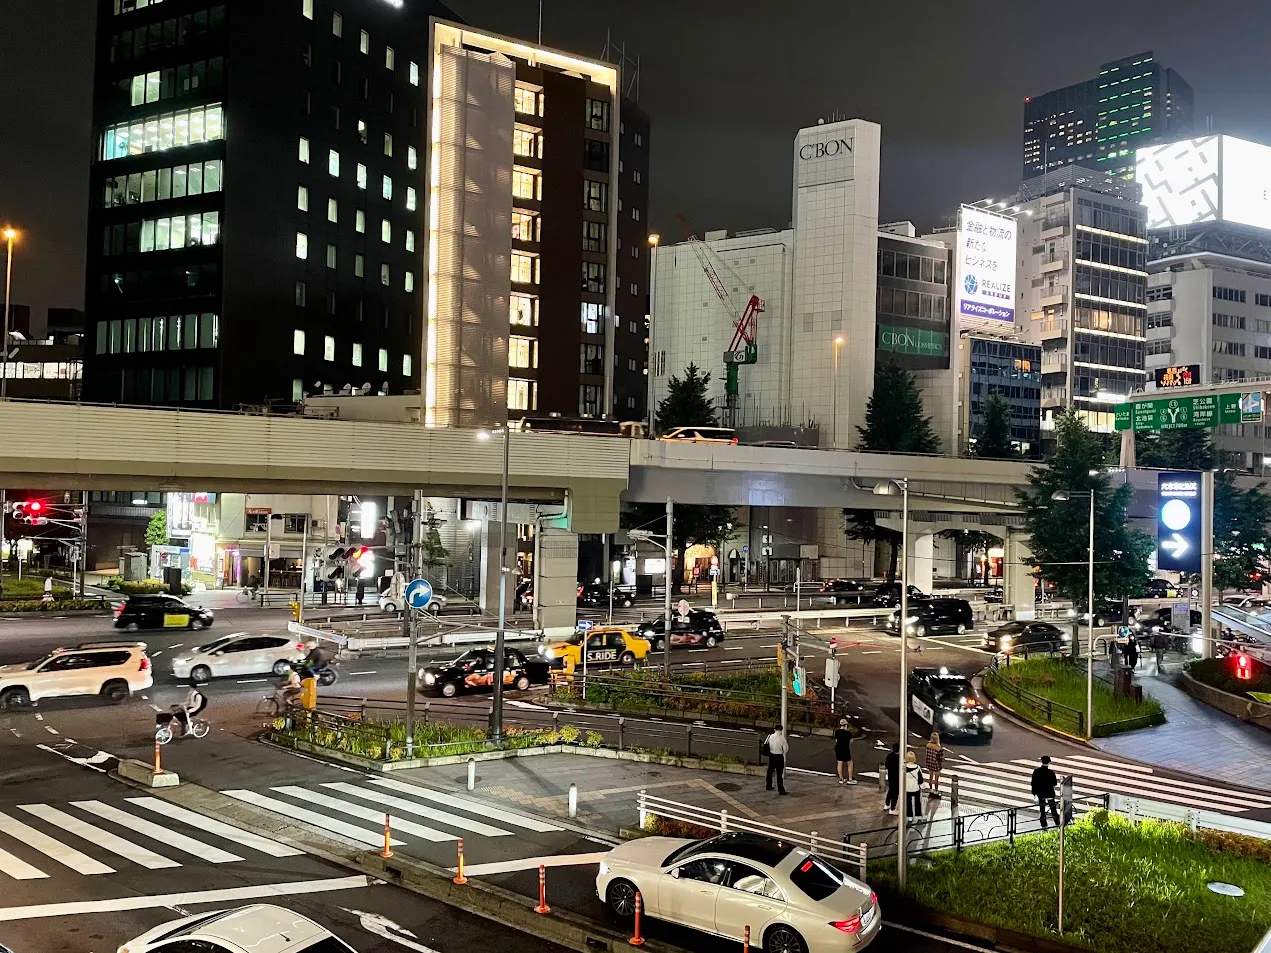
(564, 928)
(661, 713)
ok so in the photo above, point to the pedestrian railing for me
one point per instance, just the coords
(1012, 695)
(843, 853)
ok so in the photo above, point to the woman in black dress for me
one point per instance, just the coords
(843, 752)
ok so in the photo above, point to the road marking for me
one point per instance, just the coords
(16, 733)
(365, 813)
(67, 856)
(934, 936)
(19, 869)
(102, 838)
(533, 863)
(251, 681)
(155, 655)
(465, 804)
(412, 807)
(320, 821)
(51, 730)
(1121, 764)
(362, 673)
(163, 835)
(735, 648)
(92, 762)
(213, 826)
(280, 890)
(822, 774)
(39, 717)
(378, 925)
(873, 652)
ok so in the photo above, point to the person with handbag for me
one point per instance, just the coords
(776, 746)
(913, 786)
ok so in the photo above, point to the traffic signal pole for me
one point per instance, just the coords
(409, 629)
(500, 638)
(1207, 563)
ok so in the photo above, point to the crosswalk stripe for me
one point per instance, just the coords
(163, 835)
(51, 847)
(1153, 788)
(365, 813)
(464, 804)
(411, 807)
(1171, 784)
(320, 821)
(219, 828)
(18, 869)
(1128, 765)
(102, 838)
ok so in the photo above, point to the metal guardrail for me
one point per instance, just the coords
(843, 852)
(1136, 807)
(1265, 945)
(1061, 716)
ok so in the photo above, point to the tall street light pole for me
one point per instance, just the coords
(666, 596)
(891, 488)
(500, 638)
(10, 234)
(1061, 496)
(648, 353)
(834, 426)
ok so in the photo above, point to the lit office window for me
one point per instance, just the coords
(390, 58)
(302, 198)
(364, 43)
(333, 211)
(524, 311)
(411, 203)
(328, 348)
(306, 9)
(361, 176)
(386, 189)
(410, 281)
(359, 222)
(386, 232)
(522, 352)
(357, 355)
(410, 239)
(361, 131)
(382, 360)
(527, 184)
(388, 144)
(304, 150)
(406, 365)
(337, 24)
(302, 245)
(159, 133)
(333, 163)
(521, 394)
(359, 265)
(331, 255)
(414, 73)
(386, 275)
(527, 142)
(298, 342)
(297, 390)
(524, 268)
(412, 157)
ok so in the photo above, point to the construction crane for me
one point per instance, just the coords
(743, 349)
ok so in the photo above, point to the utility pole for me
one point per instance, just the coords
(304, 560)
(264, 575)
(410, 630)
(666, 602)
(500, 638)
(1207, 563)
(83, 538)
(785, 671)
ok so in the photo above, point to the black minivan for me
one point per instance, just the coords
(935, 615)
(160, 612)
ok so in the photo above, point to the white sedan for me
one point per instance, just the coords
(240, 654)
(392, 603)
(792, 900)
(260, 928)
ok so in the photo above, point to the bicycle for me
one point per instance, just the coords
(246, 594)
(164, 732)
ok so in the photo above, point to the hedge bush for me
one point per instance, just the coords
(1220, 673)
(57, 605)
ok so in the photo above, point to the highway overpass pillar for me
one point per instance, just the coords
(1017, 575)
(555, 579)
(922, 560)
(488, 592)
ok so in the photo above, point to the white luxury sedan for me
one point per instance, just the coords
(260, 928)
(792, 900)
(239, 654)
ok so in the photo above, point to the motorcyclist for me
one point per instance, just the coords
(313, 663)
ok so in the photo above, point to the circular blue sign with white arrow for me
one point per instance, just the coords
(418, 593)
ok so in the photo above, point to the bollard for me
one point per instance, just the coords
(426, 704)
(388, 838)
(864, 858)
(573, 800)
(637, 940)
(723, 822)
(460, 879)
(472, 774)
(157, 769)
(745, 944)
(621, 721)
(814, 844)
(689, 734)
(953, 793)
(542, 891)
(555, 721)
(643, 814)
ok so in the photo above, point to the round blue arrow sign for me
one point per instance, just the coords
(418, 593)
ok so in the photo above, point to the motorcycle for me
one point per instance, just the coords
(327, 674)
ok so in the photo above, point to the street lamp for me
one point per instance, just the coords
(10, 235)
(1063, 496)
(654, 238)
(891, 488)
(834, 429)
(644, 534)
(500, 638)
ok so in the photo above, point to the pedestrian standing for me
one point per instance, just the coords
(1043, 787)
(1160, 642)
(843, 752)
(913, 785)
(777, 747)
(48, 587)
(361, 589)
(933, 761)
(891, 765)
(1132, 652)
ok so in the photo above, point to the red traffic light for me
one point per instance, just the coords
(34, 506)
(1244, 668)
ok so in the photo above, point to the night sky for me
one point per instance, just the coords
(727, 84)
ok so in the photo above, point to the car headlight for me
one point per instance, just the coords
(987, 720)
(604, 869)
(949, 718)
(1198, 645)
(549, 654)
(181, 661)
(430, 678)
(1006, 641)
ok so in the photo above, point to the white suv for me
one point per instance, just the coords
(113, 670)
(392, 603)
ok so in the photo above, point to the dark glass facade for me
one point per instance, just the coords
(912, 322)
(1014, 371)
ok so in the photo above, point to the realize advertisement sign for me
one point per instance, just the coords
(1178, 503)
(985, 272)
(1184, 413)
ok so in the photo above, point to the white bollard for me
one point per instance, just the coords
(472, 774)
(573, 800)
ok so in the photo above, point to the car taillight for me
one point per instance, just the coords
(733, 442)
(145, 664)
(873, 898)
(300, 646)
(850, 925)
(119, 610)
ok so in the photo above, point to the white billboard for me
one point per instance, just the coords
(985, 274)
(1216, 178)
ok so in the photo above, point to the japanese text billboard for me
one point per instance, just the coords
(985, 276)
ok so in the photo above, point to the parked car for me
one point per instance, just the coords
(1025, 638)
(260, 928)
(474, 671)
(239, 654)
(840, 591)
(160, 612)
(935, 615)
(949, 703)
(887, 595)
(1160, 589)
(994, 595)
(1108, 612)
(596, 595)
(701, 627)
(791, 899)
(702, 435)
(391, 603)
(523, 600)
(112, 670)
(609, 645)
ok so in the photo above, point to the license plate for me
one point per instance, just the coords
(869, 916)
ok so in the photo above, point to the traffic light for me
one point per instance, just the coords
(361, 561)
(1244, 667)
(30, 512)
(798, 679)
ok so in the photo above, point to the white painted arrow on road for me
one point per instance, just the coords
(1176, 546)
(379, 925)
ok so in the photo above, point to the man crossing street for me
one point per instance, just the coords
(777, 746)
(1043, 787)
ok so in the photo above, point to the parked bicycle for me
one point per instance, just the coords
(247, 594)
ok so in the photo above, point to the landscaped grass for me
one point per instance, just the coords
(31, 587)
(1128, 888)
(1065, 684)
(1220, 673)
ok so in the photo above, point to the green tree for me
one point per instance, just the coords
(694, 524)
(894, 421)
(1240, 532)
(993, 441)
(1060, 529)
(1189, 449)
(862, 525)
(687, 402)
(433, 554)
(157, 529)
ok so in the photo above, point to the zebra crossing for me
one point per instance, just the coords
(92, 838)
(1007, 784)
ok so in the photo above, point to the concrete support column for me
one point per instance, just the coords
(1018, 584)
(488, 590)
(555, 580)
(921, 569)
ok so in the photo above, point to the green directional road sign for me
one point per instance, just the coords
(1181, 413)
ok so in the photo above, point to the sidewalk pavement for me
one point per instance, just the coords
(1195, 738)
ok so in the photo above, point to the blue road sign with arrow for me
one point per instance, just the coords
(418, 593)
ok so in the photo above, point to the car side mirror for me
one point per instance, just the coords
(676, 873)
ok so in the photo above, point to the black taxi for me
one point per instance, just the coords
(949, 703)
(160, 611)
(473, 671)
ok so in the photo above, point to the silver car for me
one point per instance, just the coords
(240, 654)
(261, 928)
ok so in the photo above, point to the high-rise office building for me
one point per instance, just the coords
(1100, 122)
(257, 229)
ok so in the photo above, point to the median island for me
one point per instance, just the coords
(1051, 692)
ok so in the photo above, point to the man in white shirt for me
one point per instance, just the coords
(777, 747)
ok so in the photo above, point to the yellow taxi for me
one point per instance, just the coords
(606, 645)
